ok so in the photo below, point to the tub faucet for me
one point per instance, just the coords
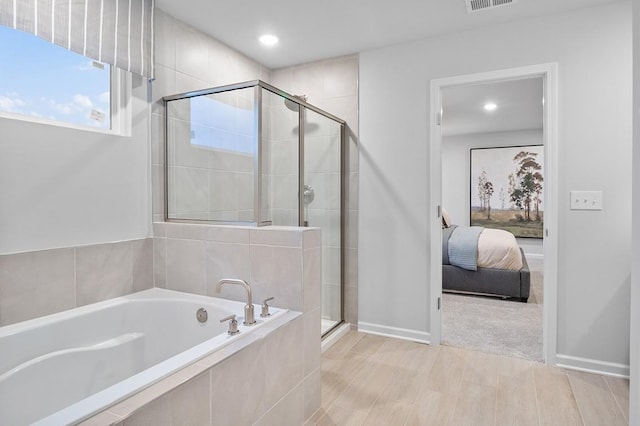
(248, 308)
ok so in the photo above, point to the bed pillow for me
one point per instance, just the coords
(446, 220)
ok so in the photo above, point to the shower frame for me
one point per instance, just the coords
(303, 106)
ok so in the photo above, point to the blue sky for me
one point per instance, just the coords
(41, 79)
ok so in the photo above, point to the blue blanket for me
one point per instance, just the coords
(463, 247)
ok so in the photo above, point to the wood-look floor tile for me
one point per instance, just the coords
(432, 409)
(404, 386)
(447, 371)
(364, 390)
(476, 405)
(343, 345)
(340, 416)
(387, 413)
(516, 404)
(482, 369)
(620, 390)
(368, 344)
(556, 403)
(337, 375)
(595, 401)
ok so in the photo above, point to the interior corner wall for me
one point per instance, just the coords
(592, 48)
(634, 391)
(64, 187)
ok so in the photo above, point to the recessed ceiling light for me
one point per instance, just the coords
(490, 106)
(268, 40)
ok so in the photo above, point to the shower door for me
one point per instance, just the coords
(322, 199)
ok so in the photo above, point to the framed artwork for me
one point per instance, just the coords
(506, 189)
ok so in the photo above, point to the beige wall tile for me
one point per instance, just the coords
(157, 413)
(238, 387)
(228, 261)
(36, 284)
(277, 272)
(160, 262)
(272, 236)
(190, 402)
(186, 268)
(312, 270)
(285, 359)
(142, 264)
(103, 271)
(312, 394)
(191, 52)
(288, 411)
(311, 340)
(164, 38)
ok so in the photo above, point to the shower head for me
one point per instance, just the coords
(292, 105)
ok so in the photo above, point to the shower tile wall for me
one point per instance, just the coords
(187, 60)
(39, 283)
(332, 85)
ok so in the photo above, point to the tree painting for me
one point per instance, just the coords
(518, 173)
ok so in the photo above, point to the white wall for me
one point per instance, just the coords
(634, 395)
(63, 187)
(456, 173)
(593, 50)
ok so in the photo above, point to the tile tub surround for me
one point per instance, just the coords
(260, 381)
(277, 261)
(34, 284)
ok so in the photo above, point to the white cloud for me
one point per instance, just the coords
(11, 104)
(105, 97)
(62, 108)
(83, 101)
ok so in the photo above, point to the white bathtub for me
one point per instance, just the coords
(64, 367)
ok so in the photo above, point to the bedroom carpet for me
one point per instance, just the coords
(496, 326)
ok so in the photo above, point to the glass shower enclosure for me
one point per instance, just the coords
(252, 154)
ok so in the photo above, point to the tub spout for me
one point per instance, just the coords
(248, 308)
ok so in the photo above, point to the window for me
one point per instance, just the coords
(52, 84)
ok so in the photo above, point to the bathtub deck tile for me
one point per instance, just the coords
(102, 419)
(130, 405)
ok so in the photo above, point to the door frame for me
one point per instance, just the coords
(549, 74)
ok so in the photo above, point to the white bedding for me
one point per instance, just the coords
(498, 249)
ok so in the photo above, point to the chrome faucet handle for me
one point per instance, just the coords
(233, 324)
(265, 307)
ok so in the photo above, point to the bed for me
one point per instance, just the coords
(500, 266)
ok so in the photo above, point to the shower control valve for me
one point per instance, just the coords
(265, 307)
(233, 324)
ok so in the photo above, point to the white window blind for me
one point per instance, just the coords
(117, 32)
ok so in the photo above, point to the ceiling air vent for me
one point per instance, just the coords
(475, 5)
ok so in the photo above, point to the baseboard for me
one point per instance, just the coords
(334, 336)
(536, 256)
(592, 366)
(398, 333)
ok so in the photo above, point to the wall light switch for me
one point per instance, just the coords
(586, 200)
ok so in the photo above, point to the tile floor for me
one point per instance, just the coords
(373, 380)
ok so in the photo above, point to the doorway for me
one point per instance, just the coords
(545, 73)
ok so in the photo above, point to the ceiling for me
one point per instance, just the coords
(519, 107)
(320, 29)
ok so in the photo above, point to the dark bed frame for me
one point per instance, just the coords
(488, 281)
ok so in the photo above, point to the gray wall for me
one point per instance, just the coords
(594, 153)
(634, 396)
(64, 187)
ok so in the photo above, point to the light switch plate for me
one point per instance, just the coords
(586, 200)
